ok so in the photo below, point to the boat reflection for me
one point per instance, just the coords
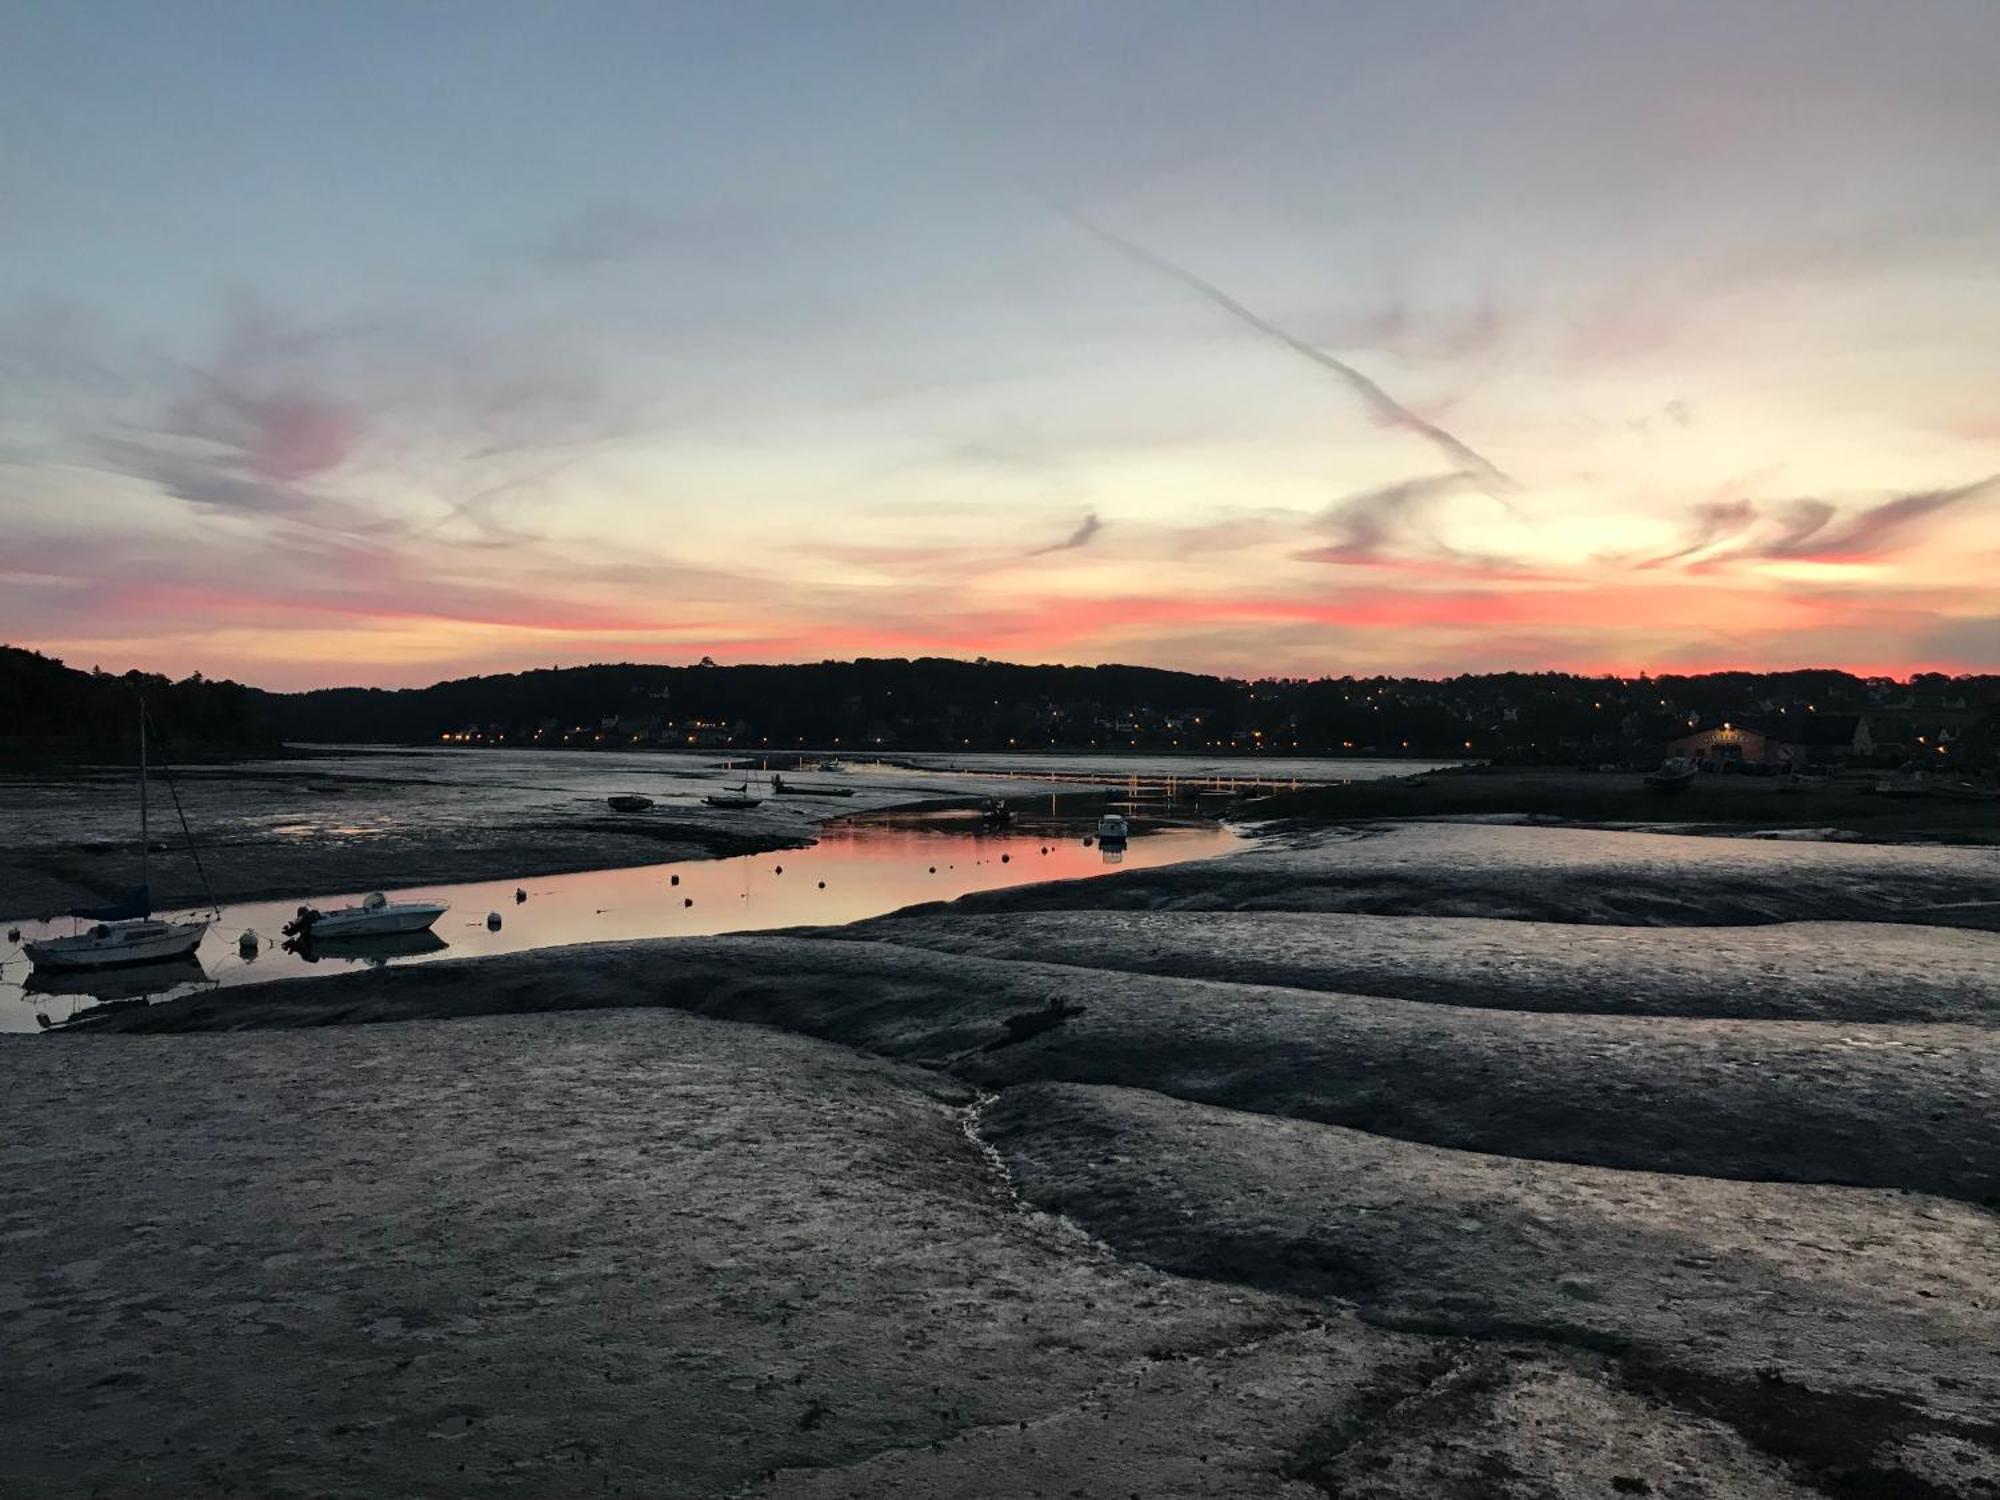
(112, 990)
(140, 982)
(372, 951)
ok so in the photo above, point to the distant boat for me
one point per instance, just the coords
(735, 796)
(629, 802)
(125, 932)
(1912, 785)
(377, 916)
(1673, 775)
(1113, 830)
(996, 814)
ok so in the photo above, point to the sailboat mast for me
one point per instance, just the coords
(145, 831)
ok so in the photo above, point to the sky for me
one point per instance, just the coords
(382, 343)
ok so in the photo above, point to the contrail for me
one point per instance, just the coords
(1487, 475)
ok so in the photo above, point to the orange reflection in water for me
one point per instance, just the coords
(857, 870)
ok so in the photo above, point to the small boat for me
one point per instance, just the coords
(996, 814)
(124, 933)
(735, 796)
(832, 763)
(1674, 774)
(1912, 785)
(117, 945)
(629, 802)
(376, 916)
(1113, 830)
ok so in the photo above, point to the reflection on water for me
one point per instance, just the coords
(857, 870)
(372, 951)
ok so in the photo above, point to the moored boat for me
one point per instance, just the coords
(1674, 774)
(629, 802)
(124, 933)
(735, 796)
(1112, 829)
(376, 916)
(117, 945)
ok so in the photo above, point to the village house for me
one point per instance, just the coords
(1815, 739)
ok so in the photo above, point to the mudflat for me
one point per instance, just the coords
(1428, 1160)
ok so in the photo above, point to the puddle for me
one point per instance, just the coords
(857, 870)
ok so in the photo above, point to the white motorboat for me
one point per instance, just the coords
(376, 916)
(125, 932)
(1113, 829)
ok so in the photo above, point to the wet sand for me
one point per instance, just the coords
(1844, 806)
(1346, 1166)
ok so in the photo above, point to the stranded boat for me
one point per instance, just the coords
(735, 796)
(126, 932)
(377, 916)
(629, 802)
(1673, 774)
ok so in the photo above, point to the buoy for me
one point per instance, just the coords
(247, 944)
(519, 895)
(1006, 859)
(933, 869)
(780, 870)
(673, 880)
(822, 885)
(687, 901)
(493, 921)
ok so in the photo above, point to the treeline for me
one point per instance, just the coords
(939, 704)
(47, 708)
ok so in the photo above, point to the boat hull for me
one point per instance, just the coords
(121, 949)
(389, 922)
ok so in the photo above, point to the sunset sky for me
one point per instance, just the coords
(379, 343)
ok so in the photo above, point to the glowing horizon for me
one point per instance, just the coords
(1416, 340)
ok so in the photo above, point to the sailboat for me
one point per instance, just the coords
(124, 933)
(734, 796)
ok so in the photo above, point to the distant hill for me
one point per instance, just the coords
(938, 704)
(49, 708)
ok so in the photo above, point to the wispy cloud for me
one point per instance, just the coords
(1808, 530)
(1081, 537)
(615, 230)
(1368, 524)
(1714, 521)
(1386, 407)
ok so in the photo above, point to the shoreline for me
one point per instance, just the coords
(1718, 804)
